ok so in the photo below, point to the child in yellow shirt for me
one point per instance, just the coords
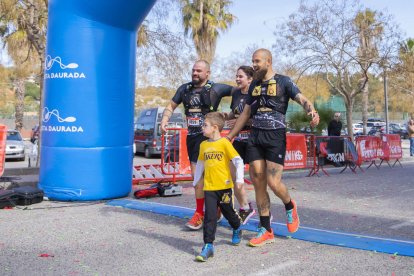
(214, 159)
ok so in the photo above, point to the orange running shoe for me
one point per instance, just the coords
(196, 222)
(292, 219)
(262, 238)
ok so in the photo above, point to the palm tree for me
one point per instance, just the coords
(23, 30)
(368, 29)
(204, 19)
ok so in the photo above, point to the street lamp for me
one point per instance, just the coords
(386, 99)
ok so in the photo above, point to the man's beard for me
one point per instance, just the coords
(259, 74)
(196, 81)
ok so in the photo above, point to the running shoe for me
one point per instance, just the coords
(236, 238)
(292, 219)
(262, 238)
(206, 252)
(196, 222)
(245, 215)
(219, 215)
(259, 225)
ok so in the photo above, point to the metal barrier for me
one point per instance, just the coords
(374, 148)
(303, 151)
(175, 165)
(391, 147)
(334, 150)
(367, 148)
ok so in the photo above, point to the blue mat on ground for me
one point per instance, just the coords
(385, 245)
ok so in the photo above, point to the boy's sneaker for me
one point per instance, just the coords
(219, 215)
(236, 238)
(292, 219)
(206, 252)
(196, 222)
(245, 215)
(259, 225)
(262, 238)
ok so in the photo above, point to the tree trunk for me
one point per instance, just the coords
(349, 104)
(19, 91)
(365, 97)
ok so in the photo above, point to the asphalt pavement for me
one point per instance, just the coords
(95, 238)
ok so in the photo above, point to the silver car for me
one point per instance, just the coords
(15, 146)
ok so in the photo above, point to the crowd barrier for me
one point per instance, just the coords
(379, 148)
(338, 151)
(303, 151)
(175, 165)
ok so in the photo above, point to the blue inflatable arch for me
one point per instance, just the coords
(87, 119)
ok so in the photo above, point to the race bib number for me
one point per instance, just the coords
(194, 122)
(243, 135)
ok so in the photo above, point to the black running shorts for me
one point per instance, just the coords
(267, 145)
(193, 146)
(241, 148)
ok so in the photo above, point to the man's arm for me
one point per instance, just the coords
(410, 128)
(240, 122)
(166, 115)
(309, 108)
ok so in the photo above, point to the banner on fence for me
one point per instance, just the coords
(391, 146)
(296, 152)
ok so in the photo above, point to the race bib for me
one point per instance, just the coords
(194, 122)
(243, 135)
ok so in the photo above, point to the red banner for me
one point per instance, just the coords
(296, 151)
(391, 146)
(368, 147)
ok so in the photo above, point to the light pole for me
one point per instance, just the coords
(386, 100)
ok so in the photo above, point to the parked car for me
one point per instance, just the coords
(395, 128)
(357, 128)
(376, 130)
(372, 123)
(147, 134)
(15, 146)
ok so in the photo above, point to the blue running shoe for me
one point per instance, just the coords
(206, 252)
(237, 234)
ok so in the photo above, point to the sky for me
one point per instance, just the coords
(257, 18)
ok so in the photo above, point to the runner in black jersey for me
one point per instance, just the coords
(239, 96)
(268, 100)
(199, 97)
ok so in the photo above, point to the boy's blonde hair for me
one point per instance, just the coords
(216, 118)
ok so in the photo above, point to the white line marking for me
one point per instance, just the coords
(402, 224)
(274, 269)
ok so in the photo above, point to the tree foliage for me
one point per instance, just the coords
(323, 37)
(23, 30)
(163, 55)
(204, 20)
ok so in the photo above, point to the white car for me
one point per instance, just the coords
(357, 128)
(15, 146)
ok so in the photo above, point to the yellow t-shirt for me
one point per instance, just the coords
(216, 156)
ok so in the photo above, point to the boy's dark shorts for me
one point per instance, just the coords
(193, 146)
(267, 145)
